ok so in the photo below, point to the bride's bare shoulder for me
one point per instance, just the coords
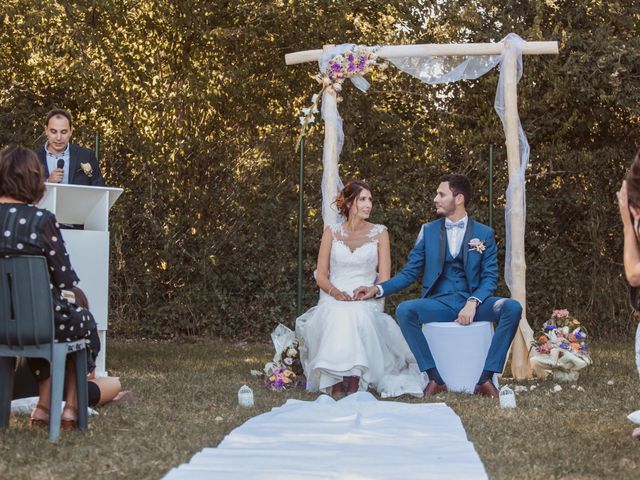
(376, 229)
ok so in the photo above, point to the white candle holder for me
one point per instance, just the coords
(245, 396)
(507, 397)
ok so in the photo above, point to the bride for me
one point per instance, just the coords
(347, 344)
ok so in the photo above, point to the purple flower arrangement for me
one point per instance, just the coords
(285, 373)
(357, 62)
(562, 331)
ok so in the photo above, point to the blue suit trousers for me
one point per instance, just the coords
(412, 314)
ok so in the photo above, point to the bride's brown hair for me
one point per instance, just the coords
(348, 196)
(633, 181)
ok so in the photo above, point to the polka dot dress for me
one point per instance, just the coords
(27, 230)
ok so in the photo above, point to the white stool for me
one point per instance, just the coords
(459, 352)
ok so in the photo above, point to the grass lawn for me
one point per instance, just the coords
(186, 400)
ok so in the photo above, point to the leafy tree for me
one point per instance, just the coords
(197, 114)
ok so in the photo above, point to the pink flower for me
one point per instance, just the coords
(560, 313)
(545, 348)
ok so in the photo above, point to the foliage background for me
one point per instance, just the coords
(198, 118)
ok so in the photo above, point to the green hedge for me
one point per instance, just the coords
(198, 117)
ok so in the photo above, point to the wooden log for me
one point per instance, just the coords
(431, 49)
(520, 367)
(330, 160)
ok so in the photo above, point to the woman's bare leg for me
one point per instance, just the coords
(44, 400)
(109, 388)
(70, 411)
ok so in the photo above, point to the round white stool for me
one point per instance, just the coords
(459, 352)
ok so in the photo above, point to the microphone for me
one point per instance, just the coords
(61, 166)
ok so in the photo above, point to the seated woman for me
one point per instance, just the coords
(349, 345)
(102, 390)
(629, 203)
(28, 230)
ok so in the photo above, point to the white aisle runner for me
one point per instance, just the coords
(356, 438)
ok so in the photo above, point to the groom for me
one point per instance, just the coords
(459, 258)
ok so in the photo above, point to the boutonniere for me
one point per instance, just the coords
(86, 168)
(477, 245)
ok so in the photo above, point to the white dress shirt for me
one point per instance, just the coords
(52, 161)
(455, 235)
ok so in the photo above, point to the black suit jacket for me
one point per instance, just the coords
(77, 155)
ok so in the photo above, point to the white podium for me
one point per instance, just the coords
(89, 248)
(459, 352)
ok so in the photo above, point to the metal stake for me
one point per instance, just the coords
(491, 185)
(300, 226)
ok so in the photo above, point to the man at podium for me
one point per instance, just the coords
(64, 162)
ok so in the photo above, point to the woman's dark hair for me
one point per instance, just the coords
(348, 196)
(21, 174)
(633, 181)
(459, 184)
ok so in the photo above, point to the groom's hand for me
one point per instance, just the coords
(466, 315)
(365, 293)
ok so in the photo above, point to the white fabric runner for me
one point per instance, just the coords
(356, 438)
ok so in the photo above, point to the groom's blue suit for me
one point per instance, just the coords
(448, 282)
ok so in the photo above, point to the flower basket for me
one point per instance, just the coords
(561, 349)
(285, 370)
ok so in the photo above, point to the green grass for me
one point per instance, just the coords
(181, 388)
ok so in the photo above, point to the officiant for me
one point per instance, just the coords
(65, 162)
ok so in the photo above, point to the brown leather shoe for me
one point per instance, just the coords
(433, 388)
(487, 389)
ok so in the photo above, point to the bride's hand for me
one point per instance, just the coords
(342, 296)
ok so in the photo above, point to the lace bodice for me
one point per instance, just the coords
(354, 258)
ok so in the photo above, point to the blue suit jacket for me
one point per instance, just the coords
(428, 255)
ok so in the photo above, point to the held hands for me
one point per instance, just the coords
(360, 293)
(56, 176)
(365, 293)
(467, 314)
(340, 296)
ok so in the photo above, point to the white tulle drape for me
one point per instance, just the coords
(333, 138)
(431, 70)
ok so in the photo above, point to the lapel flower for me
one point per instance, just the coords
(477, 245)
(86, 168)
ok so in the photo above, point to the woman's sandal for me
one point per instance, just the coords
(39, 422)
(68, 424)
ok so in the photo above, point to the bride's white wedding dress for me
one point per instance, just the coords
(356, 338)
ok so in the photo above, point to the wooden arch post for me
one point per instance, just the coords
(520, 367)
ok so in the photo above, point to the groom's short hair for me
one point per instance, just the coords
(459, 184)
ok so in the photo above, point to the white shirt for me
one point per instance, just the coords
(52, 161)
(455, 235)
